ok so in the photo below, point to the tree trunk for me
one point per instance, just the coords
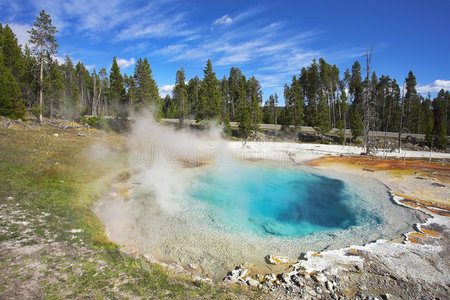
(51, 110)
(41, 86)
(345, 125)
(401, 122)
(94, 100)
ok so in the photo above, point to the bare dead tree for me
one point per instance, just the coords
(368, 116)
(402, 111)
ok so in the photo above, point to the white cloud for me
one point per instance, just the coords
(123, 63)
(90, 67)
(61, 59)
(21, 32)
(223, 20)
(434, 87)
(166, 90)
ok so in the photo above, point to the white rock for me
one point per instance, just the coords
(243, 273)
(56, 134)
(279, 259)
(286, 278)
(235, 274)
(193, 266)
(252, 282)
(270, 277)
(319, 277)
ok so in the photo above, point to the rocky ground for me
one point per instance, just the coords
(45, 253)
(414, 267)
(51, 244)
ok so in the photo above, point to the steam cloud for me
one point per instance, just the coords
(158, 153)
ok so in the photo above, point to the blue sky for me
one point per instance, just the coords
(269, 39)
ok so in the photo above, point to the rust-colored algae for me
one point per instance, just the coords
(430, 232)
(416, 237)
(434, 207)
(398, 167)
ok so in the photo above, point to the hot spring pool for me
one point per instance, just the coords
(283, 202)
(220, 217)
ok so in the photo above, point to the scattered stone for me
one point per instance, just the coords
(81, 134)
(10, 198)
(362, 288)
(388, 296)
(56, 134)
(438, 184)
(318, 277)
(299, 281)
(286, 278)
(310, 291)
(252, 282)
(243, 274)
(278, 260)
(193, 266)
(270, 277)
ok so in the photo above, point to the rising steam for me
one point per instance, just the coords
(158, 153)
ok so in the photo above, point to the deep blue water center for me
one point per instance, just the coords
(274, 201)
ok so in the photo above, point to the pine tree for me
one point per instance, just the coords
(294, 102)
(71, 105)
(322, 120)
(117, 92)
(193, 88)
(10, 97)
(84, 85)
(234, 87)
(356, 88)
(428, 120)
(356, 124)
(42, 36)
(180, 94)
(209, 94)
(310, 80)
(131, 93)
(254, 100)
(439, 116)
(29, 83)
(53, 87)
(147, 93)
(11, 53)
(225, 100)
(244, 119)
(412, 104)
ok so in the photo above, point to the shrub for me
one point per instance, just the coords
(91, 121)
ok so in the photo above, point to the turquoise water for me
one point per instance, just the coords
(273, 201)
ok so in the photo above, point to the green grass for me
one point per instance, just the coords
(54, 184)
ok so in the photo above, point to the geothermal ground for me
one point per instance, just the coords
(408, 257)
(52, 245)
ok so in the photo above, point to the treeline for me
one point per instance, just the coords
(320, 96)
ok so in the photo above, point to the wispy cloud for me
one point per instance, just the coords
(124, 20)
(271, 50)
(223, 20)
(125, 63)
(21, 32)
(435, 86)
(166, 90)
